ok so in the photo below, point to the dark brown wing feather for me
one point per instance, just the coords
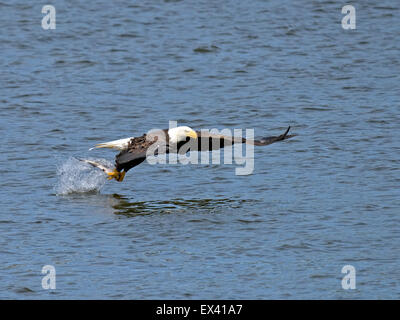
(137, 150)
(269, 140)
(134, 155)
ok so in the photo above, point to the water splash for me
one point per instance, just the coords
(76, 177)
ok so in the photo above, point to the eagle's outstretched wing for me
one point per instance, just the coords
(137, 149)
(209, 141)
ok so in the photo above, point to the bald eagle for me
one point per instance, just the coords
(134, 150)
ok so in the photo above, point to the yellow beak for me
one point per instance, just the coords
(192, 134)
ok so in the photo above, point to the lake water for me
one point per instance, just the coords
(315, 203)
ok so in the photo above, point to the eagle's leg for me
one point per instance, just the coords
(117, 175)
(121, 176)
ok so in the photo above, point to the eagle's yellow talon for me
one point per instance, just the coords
(117, 175)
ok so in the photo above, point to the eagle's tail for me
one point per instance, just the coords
(111, 172)
(120, 144)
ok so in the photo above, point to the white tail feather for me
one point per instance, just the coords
(120, 144)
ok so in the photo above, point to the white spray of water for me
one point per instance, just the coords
(76, 177)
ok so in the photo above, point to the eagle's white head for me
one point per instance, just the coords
(180, 134)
